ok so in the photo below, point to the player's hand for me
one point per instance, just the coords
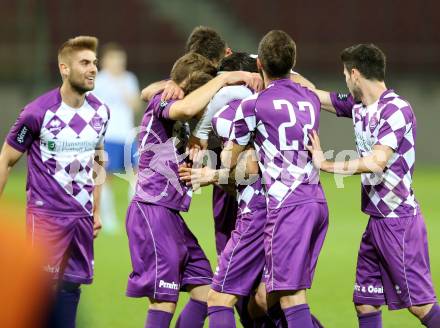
(97, 224)
(197, 177)
(257, 83)
(172, 91)
(315, 149)
(238, 77)
(195, 147)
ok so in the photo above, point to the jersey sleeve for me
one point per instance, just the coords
(25, 130)
(343, 103)
(244, 123)
(161, 108)
(394, 123)
(104, 129)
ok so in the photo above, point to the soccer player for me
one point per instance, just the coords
(166, 256)
(393, 262)
(277, 121)
(61, 131)
(242, 258)
(119, 89)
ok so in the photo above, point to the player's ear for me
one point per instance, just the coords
(259, 64)
(64, 69)
(228, 51)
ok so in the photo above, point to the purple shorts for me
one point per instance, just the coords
(68, 243)
(393, 264)
(241, 262)
(165, 255)
(293, 240)
(224, 208)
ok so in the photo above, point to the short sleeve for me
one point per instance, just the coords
(25, 130)
(343, 103)
(393, 125)
(244, 123)
(161, 108)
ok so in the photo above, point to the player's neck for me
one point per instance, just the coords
(372, 92)
(268, 80)
(71, 97)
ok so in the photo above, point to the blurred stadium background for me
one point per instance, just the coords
(154, 33)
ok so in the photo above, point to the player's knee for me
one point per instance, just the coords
(364, 308)
(420, 311)
(199, 293)
(221, 299)
(261, 300)
(292, 298)
(162, 306)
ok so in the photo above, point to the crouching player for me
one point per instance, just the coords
(166, 257)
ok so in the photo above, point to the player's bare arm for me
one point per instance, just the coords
(8, 157)
(298, 78)
(373, 163)
(197, 100)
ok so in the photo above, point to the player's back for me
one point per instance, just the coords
(283, 115)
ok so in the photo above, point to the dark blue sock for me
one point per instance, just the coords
(63, 314)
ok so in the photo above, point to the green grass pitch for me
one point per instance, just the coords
(104, 304)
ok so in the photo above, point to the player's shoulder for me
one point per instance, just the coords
(392, 104)
(41, 104)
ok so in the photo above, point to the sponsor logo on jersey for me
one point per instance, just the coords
(168, 285)
(342, 96)
(22, 134)
(163, 104)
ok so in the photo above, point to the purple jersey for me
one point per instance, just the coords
(61, 143)
(391, 122)
(161, 148)
(279, 120)
(249, 197)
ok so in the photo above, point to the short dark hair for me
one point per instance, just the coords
(190, 63)
(206, 42)
(238, 61)
(367, 58)
(277, 53)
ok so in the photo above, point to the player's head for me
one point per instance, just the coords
(276, 54)
(208, 43)
(77, 62)
(195, 80)
(238, 61)
(113, 58)
(362, 62)
(189, 64)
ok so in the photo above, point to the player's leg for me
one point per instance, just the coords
(403, 244)
(196, 277)
(291, 261)
(57, 237)
(368, 294)
(265, 309)
(239, 268)
(156, 259)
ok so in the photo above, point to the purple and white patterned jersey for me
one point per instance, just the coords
(279, 120)
(61, 143)
(249, 197)
(161, 151)
(390, 122)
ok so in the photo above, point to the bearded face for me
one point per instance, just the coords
(352, 85)
(81, 70)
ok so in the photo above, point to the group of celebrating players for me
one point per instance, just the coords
(248, 126)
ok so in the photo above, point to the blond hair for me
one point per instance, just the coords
(82, 42)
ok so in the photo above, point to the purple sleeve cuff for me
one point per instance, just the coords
(343, 104)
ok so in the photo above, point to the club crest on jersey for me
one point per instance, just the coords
(97, 123)
(374, 121)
